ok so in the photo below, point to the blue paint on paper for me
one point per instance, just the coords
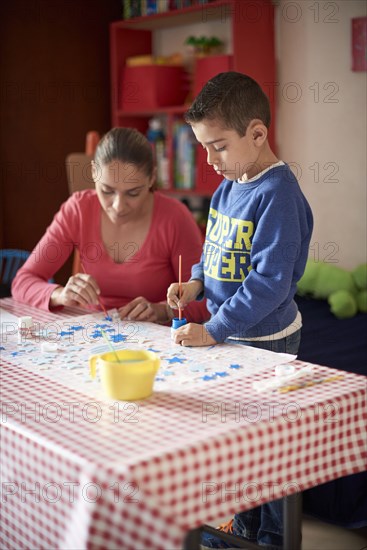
(176, 359)
(118, 337)
(207, 377)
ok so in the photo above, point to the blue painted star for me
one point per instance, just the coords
(176, 360)
(76, 327)
(234, 366)
(66, 333)
(222, 374)
(207, 377)
(118, 337)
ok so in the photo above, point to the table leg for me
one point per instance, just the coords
(292, 517)
(193, 539)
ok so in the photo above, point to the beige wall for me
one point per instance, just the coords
(321, 123)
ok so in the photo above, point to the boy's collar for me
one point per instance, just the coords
(245, 179)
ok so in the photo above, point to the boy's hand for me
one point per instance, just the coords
(80, 290)
(193, 334)
(190, 291)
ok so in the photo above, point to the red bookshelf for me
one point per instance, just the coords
(252, 29)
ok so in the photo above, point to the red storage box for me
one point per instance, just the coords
(207, 67)
(152, 86)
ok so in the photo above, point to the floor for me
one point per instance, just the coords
(317, 535)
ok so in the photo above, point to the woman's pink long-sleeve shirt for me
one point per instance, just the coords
(147, 271)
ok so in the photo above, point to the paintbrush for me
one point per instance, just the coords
(110, 346)
(179, 284)
(100, 301)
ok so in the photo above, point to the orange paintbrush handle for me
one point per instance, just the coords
(179, 284)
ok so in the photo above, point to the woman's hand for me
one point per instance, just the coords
(80, 290)
(190, 291)
(193, 334)
(140, 309)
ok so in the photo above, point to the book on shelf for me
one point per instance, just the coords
(131, 8)
(184, 156)
(138, 8)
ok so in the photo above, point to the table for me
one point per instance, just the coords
(80, 472)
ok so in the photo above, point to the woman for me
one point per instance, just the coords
(128, 236)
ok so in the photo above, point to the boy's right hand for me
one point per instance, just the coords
(80, 290)
(190, 291)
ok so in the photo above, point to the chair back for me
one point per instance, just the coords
(79, 172)
(10, 261)
(79, 175)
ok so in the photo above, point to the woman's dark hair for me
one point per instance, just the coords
(126, 145)
(234, 99)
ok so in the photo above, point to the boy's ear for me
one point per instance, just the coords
(258, 132)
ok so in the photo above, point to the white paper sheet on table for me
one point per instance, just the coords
(8, 322)
(80, 337)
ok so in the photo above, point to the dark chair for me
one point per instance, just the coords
(10, 261)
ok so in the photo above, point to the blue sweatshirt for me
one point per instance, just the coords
(255, 251)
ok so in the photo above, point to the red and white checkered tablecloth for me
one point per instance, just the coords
(83, 473)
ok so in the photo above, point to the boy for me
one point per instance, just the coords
(256, 246)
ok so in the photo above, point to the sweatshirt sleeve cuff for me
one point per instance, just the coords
(218, 330)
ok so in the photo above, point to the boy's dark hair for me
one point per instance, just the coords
(126, 145)
(234, 99)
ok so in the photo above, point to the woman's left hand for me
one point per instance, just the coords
(140, 309)
(193, 334)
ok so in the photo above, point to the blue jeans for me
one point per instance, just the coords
(264, 524)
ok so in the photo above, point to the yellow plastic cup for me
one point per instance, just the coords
(129, 379)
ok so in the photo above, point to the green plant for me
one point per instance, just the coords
(204, 44)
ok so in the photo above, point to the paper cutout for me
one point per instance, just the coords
(81, 337)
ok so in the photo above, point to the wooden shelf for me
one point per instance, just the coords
(200, 13)
(179, 110)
